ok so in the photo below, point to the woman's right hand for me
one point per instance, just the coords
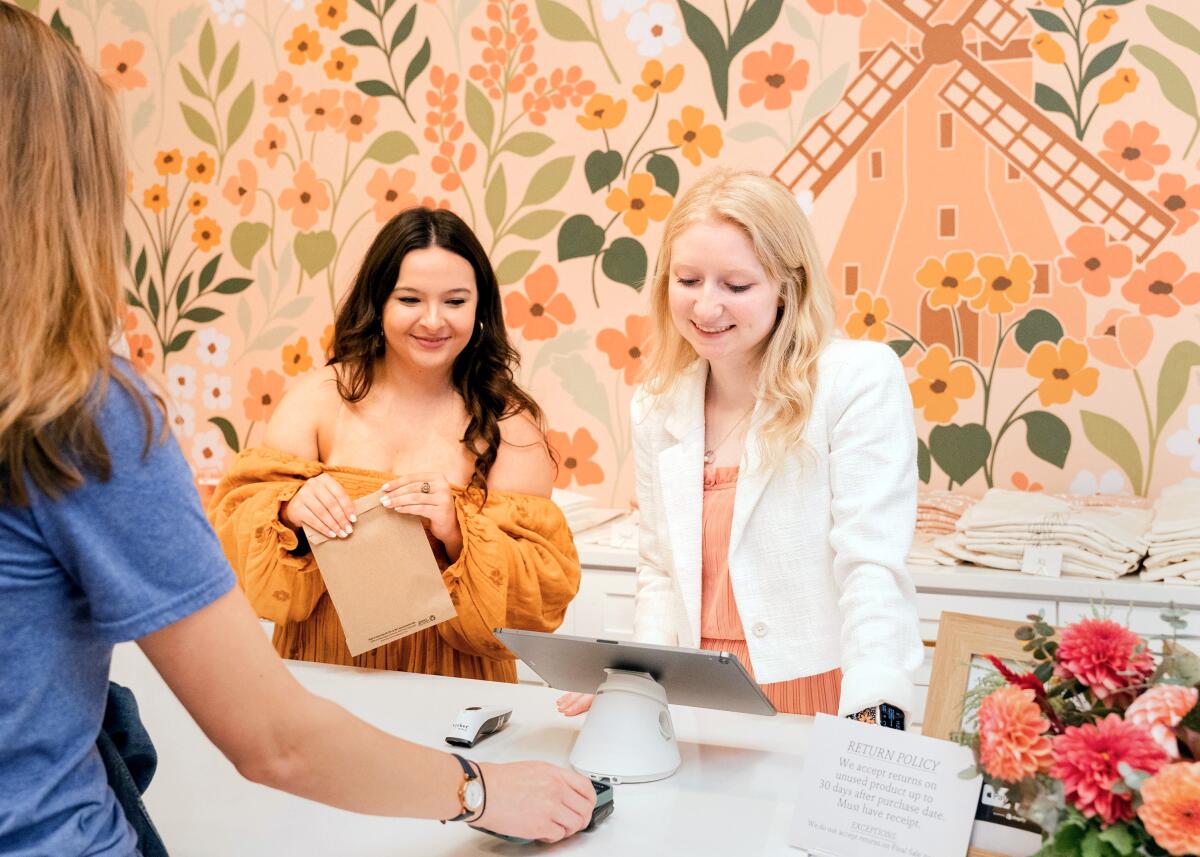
(535, 800)
(574, 704)
(321, 504)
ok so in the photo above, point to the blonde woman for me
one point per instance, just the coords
(102, 538)
(776, 465)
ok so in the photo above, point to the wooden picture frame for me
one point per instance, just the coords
(963, 638)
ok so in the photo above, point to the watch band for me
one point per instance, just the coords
(469, 774)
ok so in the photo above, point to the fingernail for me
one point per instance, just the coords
(332, 534)
(387, 486)
(349, 530)
(385, 501)
(354, 519)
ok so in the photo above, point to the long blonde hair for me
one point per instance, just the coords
(786, 248)
(62, 181)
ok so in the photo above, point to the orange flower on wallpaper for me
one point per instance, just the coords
(360, 115)
(1097, 31)
(1122, 82)
(602, 113)
(305, 198)
(281, 94)
(331, 13)
(141, 350)
(304, 45)
(265, 390)
(1004, 285)
(270, 144)
(940, 385)
(206, 233)
(639, 203)
(1162, 286)
(1094, 262)
(1021, 482)
(155, 198)
(868, 317)
(692, 136)
(392, 194)
(131, 320)
(327, 340)
(1181, 199)
(557, 90)
(950, 281)
(1047, 49)
(1064, 371)
(1133, 151)
(772, 77)
(201, 168)
(857, 8)
(626, 350)
(538, 312)
(242, 188)
(574, 456)
(118, 65)
(196, 203)
(430, 202)
(296, 358)
(323, 110)
(168, 163)
(655, 80)
(340, 65)
(1121, 339)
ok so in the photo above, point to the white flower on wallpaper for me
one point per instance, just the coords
(212, 347)
(208, 450)
(181, 382)
(1111, 481)
(229, 10)
(805, 198)
(182, 417)
(295, 4)
(217, 392)
(613, 8)
(1186, 442)
(654, 29)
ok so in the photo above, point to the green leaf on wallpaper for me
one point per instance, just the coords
(536, 224)
(1178, 29)
(1115, 441)
(825, 96)
(198, 124)
(579, 236)
(247, 239)
(314, 250)
(295, 307)
(1047, 436)
(131, 14)
(900, 346)
(578, 378)
(1037, 326)
(227, 431)
(404, 28)
(273, 338)
(59, 26)
(1049, 21)
(142, 116)
(666, 174)
(390, 147)
(562, 23)
(203, 314)
(180, 29)
(514, 266)
(1102, 62)
(30, 6)
(711, 44)
(748, 132)
(625, 262)
(152, 300)
(480, 117)
(376, 88)
(924, 467)
(368, 5)
(567, 342)
(799, 23)
(243, 318)
(759, 17)
(233, 285)
(1173, 379)
(1171, 80)
(550, 178)
(139, 268)
(207, 50)
(208, 273)
(1110, 3)
(417, 65)
(495, 200)
(132, 300)
(1049, 99)
(528, 144)
(189, 80)
(601, 168)
(179, 342)
(228, 68)
(960, 451)
(360, 39)
(239, 114)
(182, 292)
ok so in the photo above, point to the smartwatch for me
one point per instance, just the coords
(883, 714)
(472, 796)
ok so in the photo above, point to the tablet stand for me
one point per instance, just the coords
(628, 736)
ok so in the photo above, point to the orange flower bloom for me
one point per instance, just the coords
(639, 202)
(141, 350)
(574, 457)
(322, 110)
(773, 77)
(950, 281)
(392, 195)
(201, 168)
(1094, 262)
(857, 8)
(1012, 735)
(118, 65)
(196, 202)
(1005, 286)
(340, 65)
(1122, 82)
(270, 144)
(655, 81)
(1097, 31)
(602, 113)
(131, 320)
(241, 189)
(168, 163)
(868, 317)
(693, 137)
(1182, 200)
(1021, 482)
(327, 340)
(360, 116)
(265, 389)
(305, 197)
(940, 385)
(534, 313)
(206, 233)
(626, 350)
(1162, 286)
(281, 95)
(304, 45)
(155, 198)
(1048, 50)
(430, 202)
(1121, 339)
(1171, 808)
(331, 13)
(1063, 371)
(1134, 152)
(296, 358)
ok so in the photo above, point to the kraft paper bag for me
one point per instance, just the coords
(383, 579)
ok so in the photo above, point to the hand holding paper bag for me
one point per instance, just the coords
(427, 495)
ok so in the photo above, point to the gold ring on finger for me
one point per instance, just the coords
(425, 489)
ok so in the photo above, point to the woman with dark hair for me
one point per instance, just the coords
(418, 398)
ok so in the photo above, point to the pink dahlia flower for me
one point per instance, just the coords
(1086, 759)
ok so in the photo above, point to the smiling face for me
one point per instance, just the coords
(430, 315)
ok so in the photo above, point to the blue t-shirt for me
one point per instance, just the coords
(108, 562)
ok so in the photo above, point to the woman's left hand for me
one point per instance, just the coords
(428, 496)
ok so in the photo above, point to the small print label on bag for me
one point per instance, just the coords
(1042, 560)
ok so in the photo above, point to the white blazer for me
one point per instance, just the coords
(819, 543)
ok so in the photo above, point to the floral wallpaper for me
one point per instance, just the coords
(1006, 193)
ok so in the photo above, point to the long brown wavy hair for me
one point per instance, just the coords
(483, 373)
(62, 193)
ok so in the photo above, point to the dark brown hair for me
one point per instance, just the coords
(483, 373)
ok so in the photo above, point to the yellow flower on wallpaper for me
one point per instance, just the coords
(323, 110)
(305, 198)
(327, 340)
(201, 168)
(950, 281)
(1004, 285)
(1064, 371)
(1122, 82)
(655, 80)
(118, 65)
(304, 45)
(392, 194)
(639, 203)
(340, 65)
(296, 358)
(1047, 49)
(693, 137)
(168, 163)
(155, 198)
(360, 115)
(940, 385)
(281, 94)
(331, 13)
(242, 188)
(206, 233)
(868, 317)
(271, 144)
(1097, 31)
(602, 113)
(196, 202)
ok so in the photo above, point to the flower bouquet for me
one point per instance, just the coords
(1099, 743)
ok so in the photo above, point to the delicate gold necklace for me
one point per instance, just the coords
(710, 454)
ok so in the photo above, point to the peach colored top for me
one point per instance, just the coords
(720, 624)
